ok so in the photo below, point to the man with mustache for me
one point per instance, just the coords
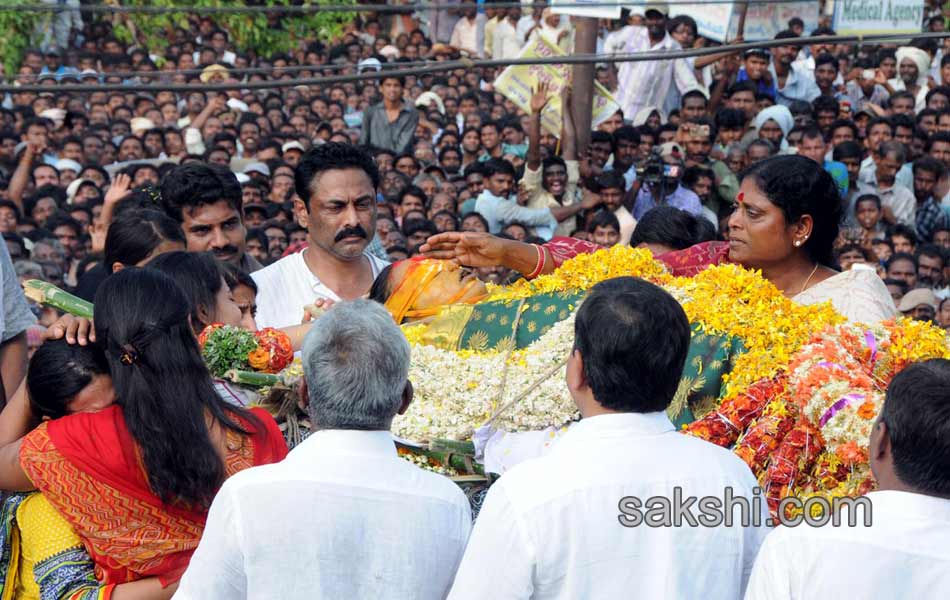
(206, 200)
(913, 66)
(336, 187)
(930, 263)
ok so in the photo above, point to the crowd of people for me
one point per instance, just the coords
(825, 166)
(455, 155)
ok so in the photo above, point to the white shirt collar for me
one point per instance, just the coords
(315, 283)
(351, 442)
(618, 425)
(910, 505)
(793, 74)
(314, 280)
(666, 43)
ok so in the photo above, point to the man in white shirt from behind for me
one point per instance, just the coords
(343, 516)
(901, 551)
(336, 202)
(564, 525)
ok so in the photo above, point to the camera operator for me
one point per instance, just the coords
(660, 176)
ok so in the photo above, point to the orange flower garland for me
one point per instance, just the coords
(274, 351)
(760, 440)
(225, 347)
(791, 463)
(723, 426)
(810, 434)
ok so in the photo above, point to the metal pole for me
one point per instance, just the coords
(585, 42)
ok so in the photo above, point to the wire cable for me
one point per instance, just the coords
(164, 73)
(449, 65)
(318, 8)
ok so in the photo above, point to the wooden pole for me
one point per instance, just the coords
(585, 42)
(743, 9)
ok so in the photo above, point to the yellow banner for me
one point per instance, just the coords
(518, 82)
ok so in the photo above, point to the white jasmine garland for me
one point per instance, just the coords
(454, 395)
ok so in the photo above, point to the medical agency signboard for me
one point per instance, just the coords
(855, 17)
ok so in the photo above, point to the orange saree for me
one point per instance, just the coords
(87, 465)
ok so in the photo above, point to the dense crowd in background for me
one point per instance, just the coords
(456, 155)
(290, 197)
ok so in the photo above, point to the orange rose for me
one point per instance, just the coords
(867, 410)
(258, 358)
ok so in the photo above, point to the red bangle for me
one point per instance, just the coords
(542, 261)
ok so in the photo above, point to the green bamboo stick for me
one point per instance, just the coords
(252, 379)
(454, 446)
(456, 460)
(47, 294)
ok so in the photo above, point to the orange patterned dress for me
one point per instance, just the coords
(88, 466)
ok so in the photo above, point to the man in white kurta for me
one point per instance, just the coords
(902, 551)
(506, 44)
(649, 82)
(553, 527)
(465, 35)
(343, 516)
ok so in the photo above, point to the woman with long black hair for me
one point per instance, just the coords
(135, 480)
(42, 557)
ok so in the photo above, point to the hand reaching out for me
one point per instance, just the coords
(118, 190)
(218, 104)
(524, 194)
(591, 200)
(76, 330)
(34, 149)
(471, 249)
(540, 98)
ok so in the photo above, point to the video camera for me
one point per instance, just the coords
(655, 170)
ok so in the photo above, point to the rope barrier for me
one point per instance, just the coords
(159, 73)
(449, 65)
(318, 8)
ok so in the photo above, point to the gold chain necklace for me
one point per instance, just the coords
(807, 281)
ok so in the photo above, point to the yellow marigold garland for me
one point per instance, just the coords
(414, 332)
(584, 271)
(912, 341)
(724, 300)
(728, 299)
